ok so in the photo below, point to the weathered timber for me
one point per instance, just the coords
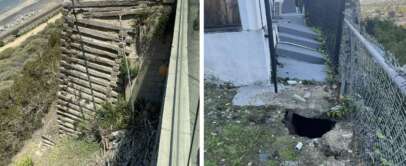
(114, 46)
(85, 96)
(77, 106)
(94, 33)
(84, 77)
(44, 138)
(74, 114)
(67, 120)
(99, 93)
(102, 3)
(84, 90)
(90, 64)
(85, 70)
(48, 143)
(90, 49)
(139, 11)
(88, 56)
(97, 24)
(68, 125)
(62, 132)
(64, 113)
(84, 83)
(69, 131)
(80, 106)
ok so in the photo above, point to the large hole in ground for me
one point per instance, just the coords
(307, 127)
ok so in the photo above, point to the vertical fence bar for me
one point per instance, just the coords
(271, 44)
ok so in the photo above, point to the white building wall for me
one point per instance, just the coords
(241, 58)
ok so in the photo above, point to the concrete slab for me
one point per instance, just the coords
(297, 29)
(237, 57)
(256, 95)
(299, 53)
(292, 18)
(295, 69)
(285, 37)
(289, 6)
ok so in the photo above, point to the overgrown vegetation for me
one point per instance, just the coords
(343, 110)
(113, 117)
(390, 35)
(70, 151)
(27, 161)
(23, 105)
(331, 75)
(127, 72)
(246, 135)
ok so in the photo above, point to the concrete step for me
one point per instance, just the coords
(297, 30)
(294, 69)
(299, 53)
(292, 18)
(288, 6)
(308, 42)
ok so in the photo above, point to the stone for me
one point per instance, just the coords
(337, 141)
(311, 155)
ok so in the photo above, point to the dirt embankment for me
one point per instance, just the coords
(33, 32)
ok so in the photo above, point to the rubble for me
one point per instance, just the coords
(280, 148)
(337, 141)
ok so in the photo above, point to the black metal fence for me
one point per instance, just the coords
(327, 15)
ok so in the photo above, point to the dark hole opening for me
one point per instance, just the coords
(307, 127)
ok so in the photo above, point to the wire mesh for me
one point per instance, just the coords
(373, 83)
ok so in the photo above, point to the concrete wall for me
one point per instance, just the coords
(241, 58)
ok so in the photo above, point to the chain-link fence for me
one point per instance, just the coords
(379, 92)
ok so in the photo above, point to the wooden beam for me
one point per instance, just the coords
(89, 56)
(100, 3)
(88, 49)
(107, 69)
(99, 24)
(138, 11)
(85, 70)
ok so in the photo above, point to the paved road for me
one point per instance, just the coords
(35, 31)
(36, 8)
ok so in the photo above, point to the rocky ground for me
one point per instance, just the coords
(244, 126)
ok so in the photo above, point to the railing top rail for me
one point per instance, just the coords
(397, 78)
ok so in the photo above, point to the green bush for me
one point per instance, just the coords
(69, 151)
(2, 43)
(7, 53)
(27, 161)
(113, 116)
(23, 105)
(125, 72)
(390, 35)
(345, 108)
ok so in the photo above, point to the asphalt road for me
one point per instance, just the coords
(37, 8)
